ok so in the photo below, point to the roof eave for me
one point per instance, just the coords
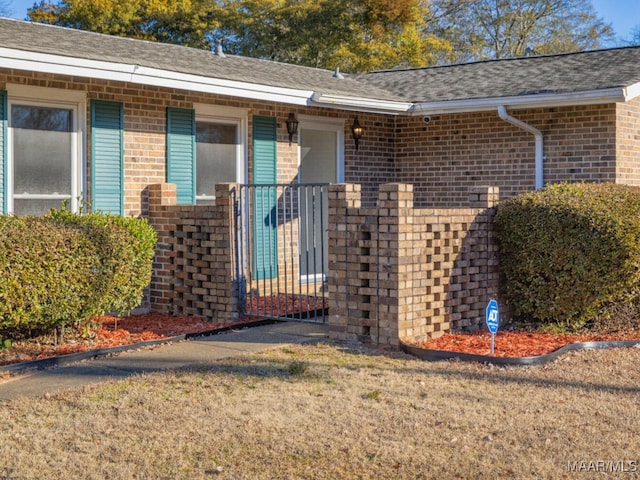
(57, 64)
(537, 100)
(64, 65)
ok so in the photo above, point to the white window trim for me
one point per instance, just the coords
(336, 125)
(231, 116)
(56, 98)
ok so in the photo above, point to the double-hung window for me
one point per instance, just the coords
(205, 146)
(44, 154)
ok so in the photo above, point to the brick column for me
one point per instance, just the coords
(488, 279)
(162, 196)
(484, 197)
(395, 262)
(345, 222)
(223, 291)
(474, 277)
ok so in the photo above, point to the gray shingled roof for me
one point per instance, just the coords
(552, 74)
(35, 37)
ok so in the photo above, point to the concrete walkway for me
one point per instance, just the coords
(194, 352)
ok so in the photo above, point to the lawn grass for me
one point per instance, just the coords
(331, 412)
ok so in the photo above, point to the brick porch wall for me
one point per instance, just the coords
(396, 272)
(194, 268)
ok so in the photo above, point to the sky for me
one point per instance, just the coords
(624, 15)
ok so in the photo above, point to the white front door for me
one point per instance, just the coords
(321, 161)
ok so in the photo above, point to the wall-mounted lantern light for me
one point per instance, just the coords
(357, 131)
(292, 126)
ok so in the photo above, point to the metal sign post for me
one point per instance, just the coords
(493, 320)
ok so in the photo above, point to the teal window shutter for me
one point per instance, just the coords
(181, 153)
(107, 157)
(3, 152)
(265, 198)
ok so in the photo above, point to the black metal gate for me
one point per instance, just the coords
(282, 259)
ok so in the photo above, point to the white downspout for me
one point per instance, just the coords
(502, 113)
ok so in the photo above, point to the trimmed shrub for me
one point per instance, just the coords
(45, 280)
(569, 251)
(126, 247)
(63, 269)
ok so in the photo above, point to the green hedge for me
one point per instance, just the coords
(64, 268)
(569, 251)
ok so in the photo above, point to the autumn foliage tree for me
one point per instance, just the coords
(354, 35)
(357, 36)
(185, 22)
(390, 33)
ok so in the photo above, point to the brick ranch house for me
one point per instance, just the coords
(171, 133)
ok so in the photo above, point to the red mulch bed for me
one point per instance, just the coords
(111, 332)
(117, 331)
(514, 344)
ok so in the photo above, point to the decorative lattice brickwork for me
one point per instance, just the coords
(399, 272)
(194, 265)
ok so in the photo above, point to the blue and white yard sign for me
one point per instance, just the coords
(493, 316)
(493, 320)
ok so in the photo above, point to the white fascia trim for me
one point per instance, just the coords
(197, 83)
(361, 104)
(57, 64)
(593, 97)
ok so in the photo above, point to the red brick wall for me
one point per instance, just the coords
(628, 142)
(454, 153)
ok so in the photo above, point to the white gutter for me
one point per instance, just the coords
(539, 152)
